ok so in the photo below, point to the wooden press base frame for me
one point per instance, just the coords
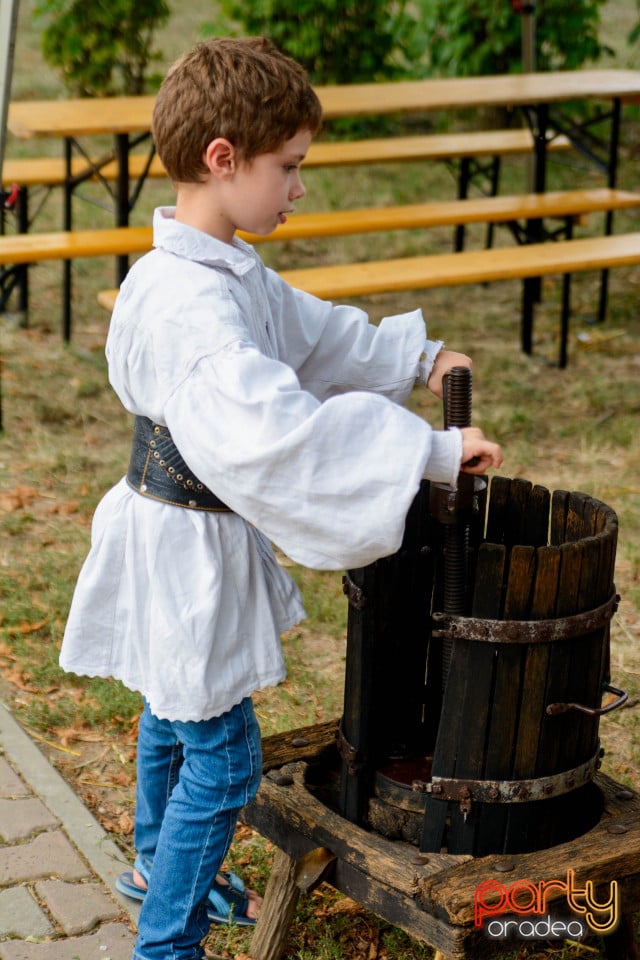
(429, 896)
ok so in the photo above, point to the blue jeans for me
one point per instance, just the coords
(193, 779)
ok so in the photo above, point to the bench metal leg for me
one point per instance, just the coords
(464, 178)
(564, 320)
(22, 224)
(67, 224)
(528, 304)
(494, 181)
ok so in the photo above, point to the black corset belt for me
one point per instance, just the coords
(157, 470)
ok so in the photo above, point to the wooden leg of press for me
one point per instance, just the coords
(276, 913)
(289, 878)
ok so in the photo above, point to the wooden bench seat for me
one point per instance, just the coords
(436, 146)
(520, 262)
(29, 248)
(477, 156)
(68, 245)
(518, 207)
(51, 171)
(72, 244)
(370, 277)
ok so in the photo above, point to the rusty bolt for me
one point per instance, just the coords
(283, 779)
(299, 742)
(625, 795)
(421, 858)
(617, 828)
(505, 866)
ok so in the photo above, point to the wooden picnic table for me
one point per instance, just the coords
(128, 119)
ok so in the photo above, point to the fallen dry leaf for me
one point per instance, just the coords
(17, 678)
(65, 508)
(344, 905)
(17, 499)
(125, 823)
(22, 629)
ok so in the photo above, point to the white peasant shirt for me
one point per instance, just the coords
(291, 410)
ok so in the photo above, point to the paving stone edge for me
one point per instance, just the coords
(103, 856)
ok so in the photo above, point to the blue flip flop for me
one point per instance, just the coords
(227, 902)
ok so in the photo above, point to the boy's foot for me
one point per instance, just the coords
(229, 900)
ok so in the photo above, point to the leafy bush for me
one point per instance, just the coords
(351, 41)
(336, 41)
(473, 37)
(101, 48)
(634, 36)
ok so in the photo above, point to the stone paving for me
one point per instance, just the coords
(57, 865)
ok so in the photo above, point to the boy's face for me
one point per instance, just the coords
(265, 188)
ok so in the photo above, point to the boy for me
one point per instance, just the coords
(262, 414)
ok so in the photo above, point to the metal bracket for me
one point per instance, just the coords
(620, 697)
(524, 631)
(354, 760)
(508, 791)
(357, 597)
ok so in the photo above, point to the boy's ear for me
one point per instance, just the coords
(220, 158)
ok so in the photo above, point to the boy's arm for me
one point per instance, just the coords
(475, 447)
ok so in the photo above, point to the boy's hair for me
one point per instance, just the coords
(242, 89)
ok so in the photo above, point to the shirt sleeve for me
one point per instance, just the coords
(331, 483)
(335, 348)
(427, 359)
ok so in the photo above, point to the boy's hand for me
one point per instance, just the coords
(476, 448)
(443, 362)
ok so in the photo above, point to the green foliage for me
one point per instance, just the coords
(363, 40)
(102, 48)
(474, 37)
(634, 36)
(336, 41)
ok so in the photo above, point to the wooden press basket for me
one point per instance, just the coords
(495, 751)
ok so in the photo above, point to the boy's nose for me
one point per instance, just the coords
(298, 189)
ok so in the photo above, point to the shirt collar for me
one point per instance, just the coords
(185, 241)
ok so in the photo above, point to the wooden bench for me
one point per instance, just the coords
(71, 244)
(51, 171)
(523, 262)
(68, 245)
(478, 153)
(30, 172)
(466, 147)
